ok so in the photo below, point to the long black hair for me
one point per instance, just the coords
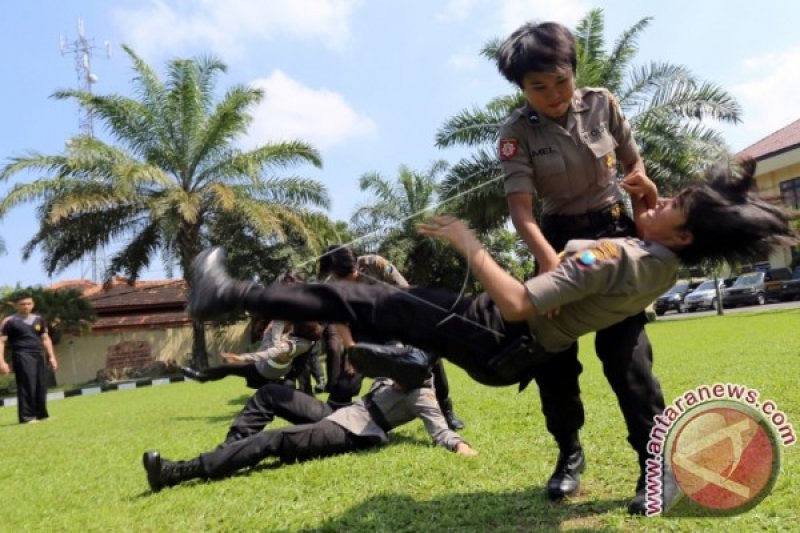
(728, 220)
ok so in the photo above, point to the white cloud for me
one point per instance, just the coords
(769, 97)
(292, 111)
(514, 13)
(225, 27)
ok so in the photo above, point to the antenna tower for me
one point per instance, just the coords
(81, 49)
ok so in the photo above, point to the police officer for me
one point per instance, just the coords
(319, 431)
(563, 147)
(343, 265)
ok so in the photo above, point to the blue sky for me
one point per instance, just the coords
(368, 82)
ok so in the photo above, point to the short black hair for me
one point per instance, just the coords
(339, 260)
(20, 294)
(728, 220)
(545, 47)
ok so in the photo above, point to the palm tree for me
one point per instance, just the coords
(665, 104)
(387, 223)
(174, 168)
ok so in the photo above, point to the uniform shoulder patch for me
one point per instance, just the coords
(509, 147)
(605, 252)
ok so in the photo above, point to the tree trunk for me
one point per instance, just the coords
(199, 352)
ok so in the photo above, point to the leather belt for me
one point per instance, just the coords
(593, 219)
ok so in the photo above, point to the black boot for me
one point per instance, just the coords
(566, 479)
(453, 422)
(638, 505)
(406, 365)
(196, 375)
(213, 292)
(162, 473)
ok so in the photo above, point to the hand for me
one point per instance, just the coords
(4, 368)
(452, 230)
(54, 363)
(639, 186)
(462, 448)
(231, 358)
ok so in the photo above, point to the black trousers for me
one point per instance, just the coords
(625, 352)
(468, 331)
(334, 355)
(247, 371)
(30, 373)
(312, 436)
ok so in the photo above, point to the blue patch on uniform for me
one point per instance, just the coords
(587, 258)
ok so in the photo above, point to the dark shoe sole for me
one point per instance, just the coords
(152, 465)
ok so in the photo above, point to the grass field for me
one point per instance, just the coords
(81, 470)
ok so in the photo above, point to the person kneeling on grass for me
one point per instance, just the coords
(320, 431)
(500, 336)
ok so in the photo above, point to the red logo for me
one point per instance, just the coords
(508, 148)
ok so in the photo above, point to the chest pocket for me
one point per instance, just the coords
(602, 145)
(549, 171)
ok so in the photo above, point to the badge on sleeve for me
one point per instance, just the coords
(508, 148)
(604, 252)
(587, 258)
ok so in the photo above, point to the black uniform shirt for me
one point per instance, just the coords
(24, 334)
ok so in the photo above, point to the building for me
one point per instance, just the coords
(137, 325)
(778, 176)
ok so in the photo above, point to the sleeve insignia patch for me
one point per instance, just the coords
(605, 251)
(508, 148)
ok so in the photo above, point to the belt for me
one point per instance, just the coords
(593, 219)
(376, 414)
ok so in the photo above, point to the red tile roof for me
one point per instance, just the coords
(782, 140)
(143, 305)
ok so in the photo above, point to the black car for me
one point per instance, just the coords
(791, 287)
(672, 300)
(751, 288)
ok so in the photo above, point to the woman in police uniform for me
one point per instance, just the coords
(563, 148)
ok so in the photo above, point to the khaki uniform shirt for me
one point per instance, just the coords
(398, 407)
(376, 269)
(571, 169)
(598, 284)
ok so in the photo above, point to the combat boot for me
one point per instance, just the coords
(196, 375)
(566, 478)
(213, 292)
(453, 422)
(638, 505)
(163, 473)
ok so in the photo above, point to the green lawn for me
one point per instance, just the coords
(82, 469)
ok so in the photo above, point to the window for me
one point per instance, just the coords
(790, 193)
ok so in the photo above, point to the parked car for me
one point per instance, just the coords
(774, 283)
(751, 288)
(791, 287)
(705, 295)
(673, 298)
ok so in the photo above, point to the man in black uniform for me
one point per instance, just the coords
(27, 335)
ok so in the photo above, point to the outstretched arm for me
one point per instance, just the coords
(508, 293)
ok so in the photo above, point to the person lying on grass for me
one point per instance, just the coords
(320, 430)
(500, 336)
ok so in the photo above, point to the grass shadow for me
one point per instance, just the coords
(525, 510)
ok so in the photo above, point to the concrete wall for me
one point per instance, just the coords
(80, 357)
(770, 173)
